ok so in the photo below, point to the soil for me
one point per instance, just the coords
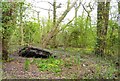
(15, 69)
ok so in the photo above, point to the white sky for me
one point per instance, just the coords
(70, 15)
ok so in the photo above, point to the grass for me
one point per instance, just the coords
(103, 68)
(107, 73)
(27, 64)
(51, 64)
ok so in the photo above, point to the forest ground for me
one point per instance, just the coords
(76, 64)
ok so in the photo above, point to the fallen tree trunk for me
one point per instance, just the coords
(34, 52)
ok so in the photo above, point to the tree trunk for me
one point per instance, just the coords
(119, 30)
(105, 29)
(54, 22)
(54, 29)
(7, 23)
(21, 24)
(4, 46)
(102, 25)
(119, 7)
(54, 12)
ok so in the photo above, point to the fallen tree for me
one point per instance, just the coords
(29, 51)
(53, 31)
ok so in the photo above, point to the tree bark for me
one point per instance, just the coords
(119, 31)
(102, 25)
(21, 24)
(53, 31)
(54, 12)
(4, 46)
(54, 22)
(76, 11)
(8, 22)
(119, 7)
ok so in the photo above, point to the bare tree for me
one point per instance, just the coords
(89, 10)
(54, 29)
(76, 10)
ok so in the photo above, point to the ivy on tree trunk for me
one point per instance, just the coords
(102, 26)
(8, 21)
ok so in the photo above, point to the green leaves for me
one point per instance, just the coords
(31, 32)
(51, 64)
(79, 33)
(27, 64)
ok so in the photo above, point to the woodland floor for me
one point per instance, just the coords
(89, 67)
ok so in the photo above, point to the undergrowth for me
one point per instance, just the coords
(51, 64)
(103, 68)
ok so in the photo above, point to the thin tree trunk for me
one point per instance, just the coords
(4, 46)
(21, 25)
(76, 10)
(119, 30)
(54, 12)
(54, 22)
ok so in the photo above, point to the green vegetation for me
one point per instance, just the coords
(27, 64)
(86, 47)
(51, 64)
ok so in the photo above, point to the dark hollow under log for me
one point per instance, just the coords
(34, 52)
